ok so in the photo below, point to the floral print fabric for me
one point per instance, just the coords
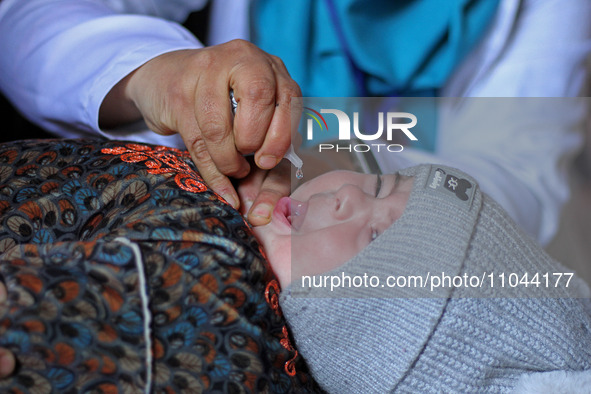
(81, 220)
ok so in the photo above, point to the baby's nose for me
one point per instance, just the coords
(348, 200)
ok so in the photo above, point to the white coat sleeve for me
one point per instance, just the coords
(61, 57)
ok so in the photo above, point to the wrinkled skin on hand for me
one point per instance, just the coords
(187, 92)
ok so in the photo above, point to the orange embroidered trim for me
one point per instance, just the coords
(272, 298)
(162, 160)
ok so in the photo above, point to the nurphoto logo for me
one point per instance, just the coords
(389, 124)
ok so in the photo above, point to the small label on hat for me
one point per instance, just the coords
(451, 185)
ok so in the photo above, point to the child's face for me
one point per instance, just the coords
(329, 219)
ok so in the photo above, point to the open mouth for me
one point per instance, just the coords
(282, 211)
(298, 211)
(290, 212)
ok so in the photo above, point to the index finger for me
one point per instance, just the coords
(210, 173)
(286, 117)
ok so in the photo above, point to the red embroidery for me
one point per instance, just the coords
(271, 295)
(162, 160)
(272, 298)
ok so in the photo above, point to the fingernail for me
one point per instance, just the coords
(267, 162)
(262, 210)
(230, 200)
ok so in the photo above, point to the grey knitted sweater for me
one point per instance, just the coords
(463, 338)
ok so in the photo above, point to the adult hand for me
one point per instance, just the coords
(260, 191)
(187, 91)
(7, 360)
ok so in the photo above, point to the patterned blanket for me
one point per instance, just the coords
(126, 273)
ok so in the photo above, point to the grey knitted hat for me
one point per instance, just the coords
(505, 315)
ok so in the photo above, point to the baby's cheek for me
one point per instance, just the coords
(333, 258)
(326, 255)
(278, 252)
(281, 266)
(311, 254)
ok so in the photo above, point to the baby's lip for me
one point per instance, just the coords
(282, 211)
(298, 213)
(290, 212)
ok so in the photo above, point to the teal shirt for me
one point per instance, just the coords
(399, 46)
(359, 48)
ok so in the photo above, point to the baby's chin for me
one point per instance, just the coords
(281, 268)
(277, 249)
